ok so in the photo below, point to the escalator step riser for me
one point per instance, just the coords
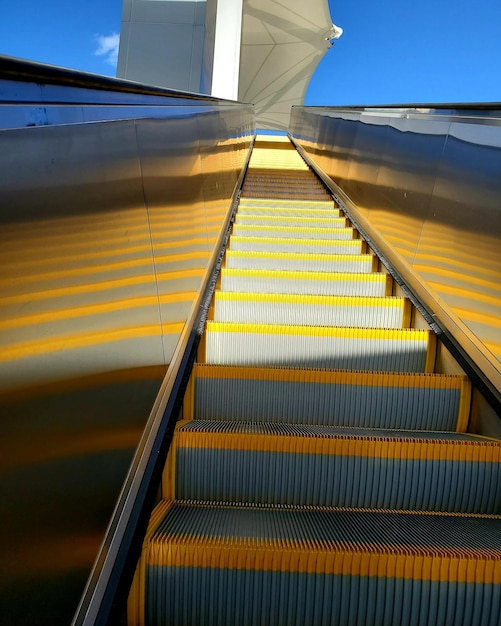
(293, 469)
(299, 246)
(313, 529)
(322, 206)
(288, 229)
(248, 597)
(301, 178)
(311, 310)
(278, 214)
(285, 194)
(288, 218)
(301, 282)
(237, 565)
(324, 348)
(284, 190)
(370, 400)
(296, 261)
(301, 182)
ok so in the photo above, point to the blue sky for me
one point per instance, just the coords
(60, 32)
(403, 51)
(392, 51)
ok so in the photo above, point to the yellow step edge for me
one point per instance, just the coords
(330, 377)
(409, 562)
(407, 314)
(307, 256)
(464, 405)
(355, 244)
(136, 601)
(257, 228)
(302, 213)
(400, 447)
(188, 411)
(284, 203)
(369, 301)
(431, 353)
(168, 484)
(315, 222)
(375, 277)
(408, 334)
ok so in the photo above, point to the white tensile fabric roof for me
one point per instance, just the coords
(282, 43)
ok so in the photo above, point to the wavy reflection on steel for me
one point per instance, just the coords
(106, 233)
(428, 182)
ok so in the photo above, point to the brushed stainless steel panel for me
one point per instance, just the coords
(64, 452)
(106, 230)
(458, 252)
(404, 186)
(435, 199)
(76, 263)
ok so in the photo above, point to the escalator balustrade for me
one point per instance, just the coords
(322, 472)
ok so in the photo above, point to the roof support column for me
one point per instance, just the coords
(227, 49)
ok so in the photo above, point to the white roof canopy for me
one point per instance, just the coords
(281, 46)
(259, 51)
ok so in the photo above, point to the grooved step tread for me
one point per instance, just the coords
(339, 531)
(362, 435)
(296, 245)
(303, 217)
(401, 334)
(260, 203)
(294, 464)
(330, 397)
(284, 193)
(326, 347)
(337, 227)
(297, 282)
(301, 261)
(317, 310)
(250, 566)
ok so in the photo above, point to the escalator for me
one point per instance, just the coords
(321, 471)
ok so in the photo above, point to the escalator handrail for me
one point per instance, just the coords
(20, 70)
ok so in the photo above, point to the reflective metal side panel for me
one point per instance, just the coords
(428, 182)
(106, 230)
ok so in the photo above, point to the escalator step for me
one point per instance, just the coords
(303, 282)
(241, 565)
(286, 464)
(307, 217)
(283, 188)
(360, 399)
(300, 246)
(356, 263)
(266, 308)
(404, 350)
(260, 204)
(291, 183)
(287, 229)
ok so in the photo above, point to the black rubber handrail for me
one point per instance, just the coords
(441, 108)
(21, 70)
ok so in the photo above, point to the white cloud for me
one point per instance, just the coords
(107, 46)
